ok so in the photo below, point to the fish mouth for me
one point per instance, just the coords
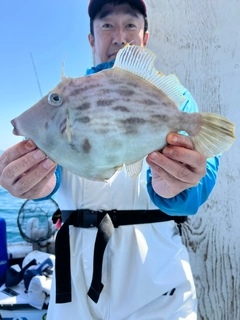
(15, 130)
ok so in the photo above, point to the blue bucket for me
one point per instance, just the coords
(3, 251)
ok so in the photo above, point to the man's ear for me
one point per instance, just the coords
(91, 40)
(145, 39)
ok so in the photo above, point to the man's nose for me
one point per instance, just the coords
(119, 37)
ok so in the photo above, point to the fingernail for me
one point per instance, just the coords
(47, 164)
(152, 155)
(167, 151)
(30, 145)
(173, 138)
(39, 155)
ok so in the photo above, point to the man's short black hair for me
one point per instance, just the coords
(117, 2)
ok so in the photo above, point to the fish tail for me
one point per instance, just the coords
(216, 135)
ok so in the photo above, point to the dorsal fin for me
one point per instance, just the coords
(140, 61)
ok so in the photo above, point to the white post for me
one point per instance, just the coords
(199, 41)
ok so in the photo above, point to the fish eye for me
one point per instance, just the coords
(55, 99)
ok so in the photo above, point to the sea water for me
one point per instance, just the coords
(17, 212)
(9, 207)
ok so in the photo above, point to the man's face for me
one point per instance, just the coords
(114, 26)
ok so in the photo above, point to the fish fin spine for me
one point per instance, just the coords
(216, 135)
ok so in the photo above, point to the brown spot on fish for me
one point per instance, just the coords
(130, 125)
(102, 129)
(131, 130)
(105, 91)
(125, 92)
(83, 89)
(77, 91)
(83, 119)
(104, 102)
(74, 147)
(84, 106)
(86, 146)
(132, 84)
(133, 120)
(166, 104)
(114, 81)
(121, 108)
(161, 117)
(70, 82)
(149, 102)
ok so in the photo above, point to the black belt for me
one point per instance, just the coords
(105, 221)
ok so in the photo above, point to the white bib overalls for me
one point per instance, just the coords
(146, 272)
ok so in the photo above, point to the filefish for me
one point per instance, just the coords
(96, 124)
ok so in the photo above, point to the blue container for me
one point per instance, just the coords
(3, 251)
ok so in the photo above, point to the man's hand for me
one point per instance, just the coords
(177, 167)
(26, 172)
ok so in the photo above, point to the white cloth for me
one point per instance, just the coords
(39, 290)
(39, 256)
(141, 265)
(39, 287)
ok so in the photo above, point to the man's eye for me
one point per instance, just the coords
(107, 26)
(131, 26)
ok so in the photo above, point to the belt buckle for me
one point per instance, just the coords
(89, 218)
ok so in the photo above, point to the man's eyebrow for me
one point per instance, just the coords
(108, 12)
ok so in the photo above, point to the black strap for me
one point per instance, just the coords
(62, 262)
(85, 218)
(105, 221)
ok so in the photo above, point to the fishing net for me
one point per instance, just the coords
(35, 220)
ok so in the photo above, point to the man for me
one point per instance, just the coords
(144, 272)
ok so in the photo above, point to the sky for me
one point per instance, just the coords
(35, 36)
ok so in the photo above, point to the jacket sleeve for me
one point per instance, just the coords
(188, 201)
(58, 174)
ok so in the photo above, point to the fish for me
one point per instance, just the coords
(97, 124)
